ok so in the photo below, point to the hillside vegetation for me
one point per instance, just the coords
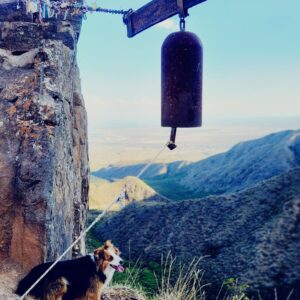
(247, 229)
(252, 235)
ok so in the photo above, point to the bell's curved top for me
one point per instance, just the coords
(182, 39)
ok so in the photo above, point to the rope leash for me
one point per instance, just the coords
(82, 235)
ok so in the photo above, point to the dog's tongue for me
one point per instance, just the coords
(119, 268)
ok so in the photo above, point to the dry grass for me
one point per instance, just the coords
(178, 282)
(122, 292)
(174, 283)
(187, 284)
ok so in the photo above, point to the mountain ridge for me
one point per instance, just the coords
(124, 170)
(244, 165)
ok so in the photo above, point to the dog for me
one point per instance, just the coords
(82, 278)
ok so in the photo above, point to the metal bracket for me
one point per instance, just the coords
(128, 21)
(154, 12)
(183, 12)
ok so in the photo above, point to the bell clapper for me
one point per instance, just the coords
(171, 144)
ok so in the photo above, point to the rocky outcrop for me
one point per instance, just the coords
(121, 293)
(103, 192)
(9, 276)
(252, 235)
(43, 139)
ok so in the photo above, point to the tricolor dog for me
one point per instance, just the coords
(81, 278)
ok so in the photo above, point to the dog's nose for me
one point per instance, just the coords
(121, 262)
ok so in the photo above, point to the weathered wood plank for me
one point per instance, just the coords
(153, 13)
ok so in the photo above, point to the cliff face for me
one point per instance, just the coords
(43, 137)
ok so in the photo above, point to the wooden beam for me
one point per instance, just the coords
(153, 13)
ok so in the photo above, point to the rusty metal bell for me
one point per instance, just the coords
(181, 81)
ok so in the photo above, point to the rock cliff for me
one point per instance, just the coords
(43, 137)
(253, 235)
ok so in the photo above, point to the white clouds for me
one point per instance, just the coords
(168, 24)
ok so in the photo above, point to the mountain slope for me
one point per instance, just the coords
(253, 235)
(243, 166)
(102, 192)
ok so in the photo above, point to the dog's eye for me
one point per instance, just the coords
(111, 258)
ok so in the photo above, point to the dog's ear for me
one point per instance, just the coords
(117, 251)
(98, 253)
(99, 257)
(108, 244)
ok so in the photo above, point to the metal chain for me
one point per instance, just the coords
(85, 9)
(113, 11)
(182, 14)
(182, 24)
(59, 6)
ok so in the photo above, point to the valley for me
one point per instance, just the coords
(238, 210)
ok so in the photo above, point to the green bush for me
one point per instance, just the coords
(142, 275)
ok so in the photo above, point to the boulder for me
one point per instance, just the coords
(121, 293)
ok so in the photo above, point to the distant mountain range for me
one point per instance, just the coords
(252, 235)
(242, 166)
(115, 172)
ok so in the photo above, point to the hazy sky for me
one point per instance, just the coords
(251, 62)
